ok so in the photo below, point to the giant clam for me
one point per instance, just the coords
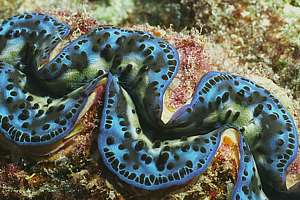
(41, 103)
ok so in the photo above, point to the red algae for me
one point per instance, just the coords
(293, 172)
(78, 21)
(193, 65)
(294, 168)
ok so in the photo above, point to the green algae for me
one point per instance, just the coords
(8, 8)
(112, 11)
